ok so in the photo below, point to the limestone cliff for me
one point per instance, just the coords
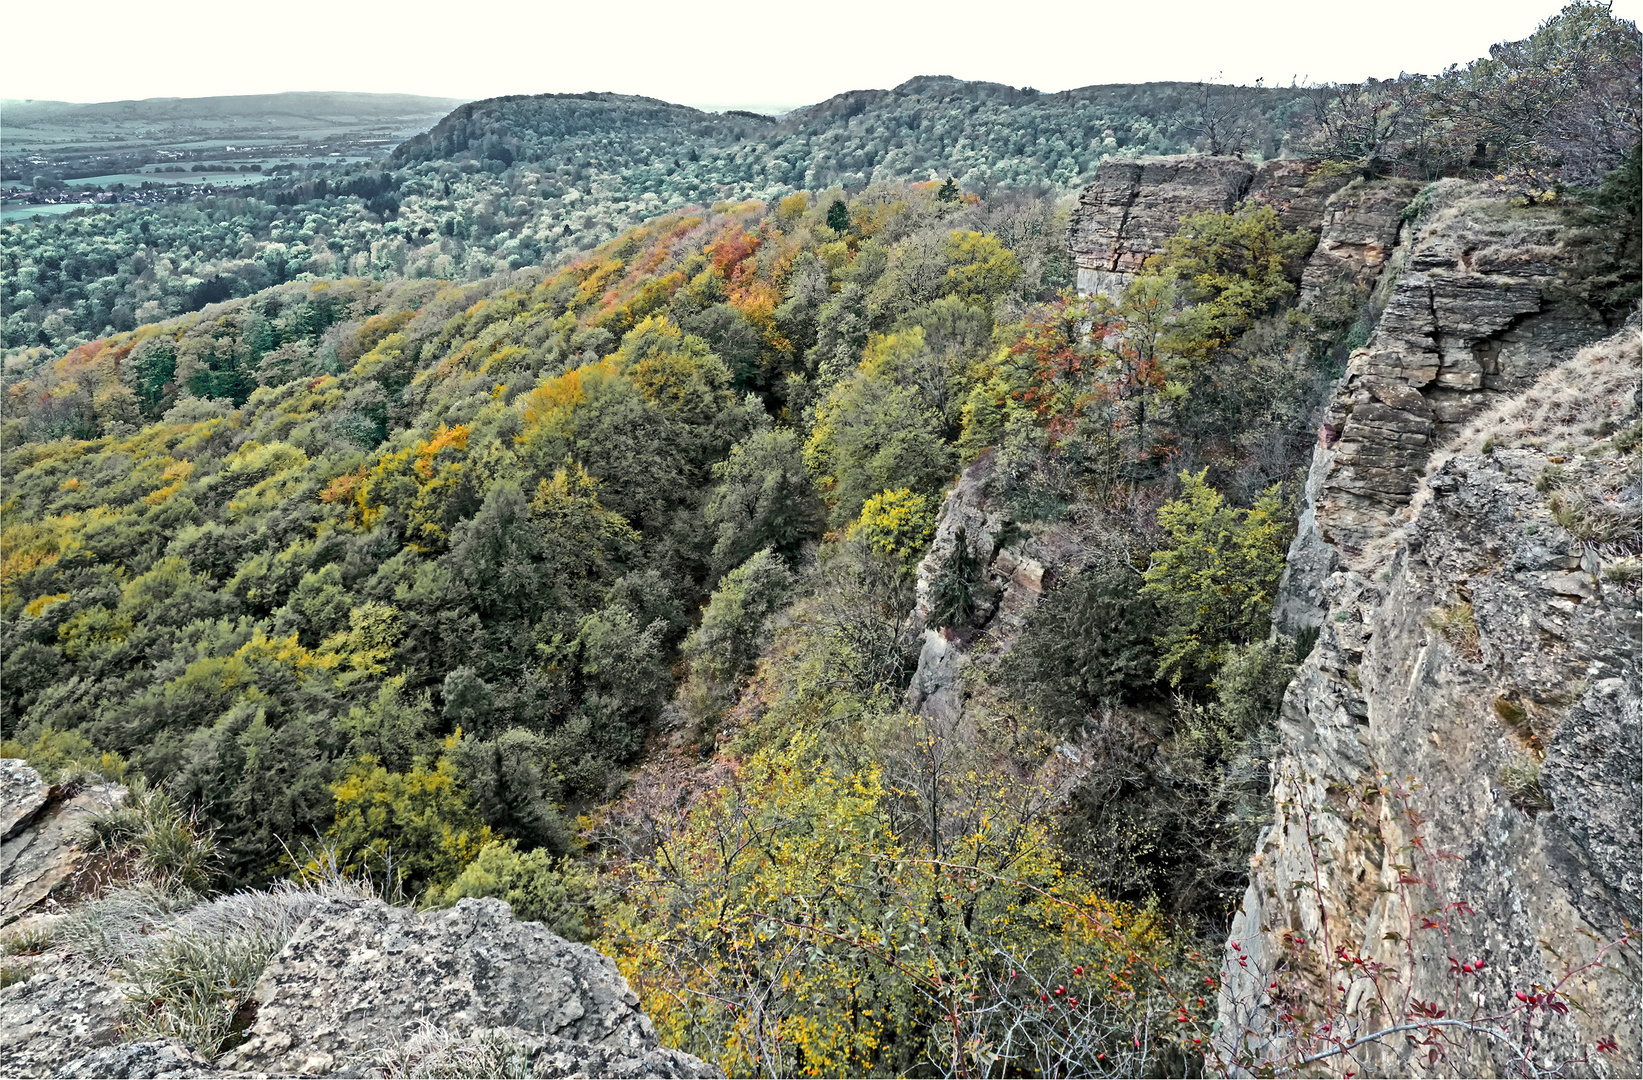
(1460, 764)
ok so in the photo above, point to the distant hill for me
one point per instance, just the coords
(296, 109)
(929, 126)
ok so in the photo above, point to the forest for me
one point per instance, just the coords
(512, 182)
(379, 534)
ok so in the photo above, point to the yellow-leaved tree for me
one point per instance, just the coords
(787, 928)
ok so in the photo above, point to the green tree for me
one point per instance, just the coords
(838, 216)
(1216, 580)
(1234, 268)
(764, 498)
(728, 641)
(415, 829)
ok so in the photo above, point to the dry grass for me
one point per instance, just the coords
(1586, 405)
(435, 1052)
(1458, 626)
(192, 964)
(1521, 779)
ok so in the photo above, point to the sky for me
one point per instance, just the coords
(764, 56)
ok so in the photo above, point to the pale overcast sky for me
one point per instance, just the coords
(748, 55)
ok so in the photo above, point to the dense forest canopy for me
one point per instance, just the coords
(383, 537)
(513, 182)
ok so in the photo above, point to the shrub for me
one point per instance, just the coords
(168, 845)
(65, 755)
(416, 828)
(1458, 625)
(1521, 779)
(897, 524)
(557, 892)
(1216, 580)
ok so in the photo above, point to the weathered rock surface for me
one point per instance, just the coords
(154, 1060)
(22, 795)
(1020, 567)
(38, 852)
(553, 1057)
(65, 1009)
(1471, 318)
(359, 977)
(361, 974)
(1358, 230)
(1487, 643)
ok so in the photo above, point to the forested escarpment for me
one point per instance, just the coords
(865, 639)
(510, 182)
(329, 493)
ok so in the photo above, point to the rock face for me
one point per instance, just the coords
(1357, 233)
(1019, 568)
(67, 1007)
(1470, 318)
(157, 1060)
(359, 975)
(1489, 645)
(40, 823)
(1136, 204)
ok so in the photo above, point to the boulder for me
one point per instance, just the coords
(361, 975)
(66, 1008)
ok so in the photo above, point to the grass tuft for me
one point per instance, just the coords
(434, 1052)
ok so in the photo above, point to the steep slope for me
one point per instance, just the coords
(1459, 780)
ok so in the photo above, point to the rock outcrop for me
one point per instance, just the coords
(1461, 762)
(1020, 566)
(66, 1008)
(1472, 316)
(1357, 234)
(358, 979)
(1135, 204)
(361, 974)
(38, 828)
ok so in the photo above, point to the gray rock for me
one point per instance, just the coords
(554, 1057)
(22, 795)
(1479, 642)
(67, 1008)
(155, 1060)
(1472, 318)
(40, 854)
(1593, 774)
(362, 974)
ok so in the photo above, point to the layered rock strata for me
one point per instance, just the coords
(1460, 774)
(1473, 316)
(1136, 204)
